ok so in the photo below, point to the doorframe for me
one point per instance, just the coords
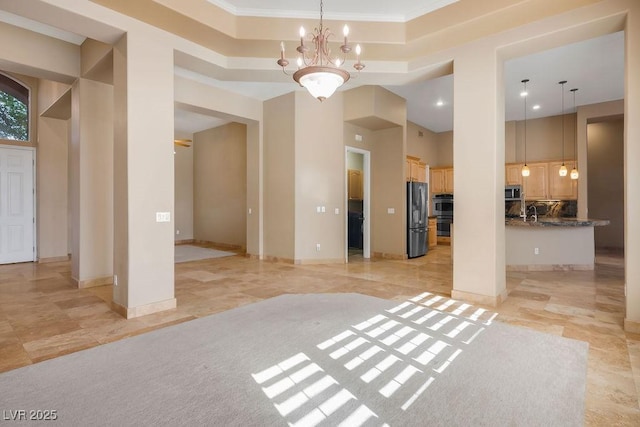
(33, 193)
(366, 202)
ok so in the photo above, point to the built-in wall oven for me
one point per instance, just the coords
(443, 209)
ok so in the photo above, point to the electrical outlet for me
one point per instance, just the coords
(317, 247)
(115, 280)
(536, 251)
(177, 231)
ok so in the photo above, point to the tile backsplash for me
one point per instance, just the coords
(546, 208)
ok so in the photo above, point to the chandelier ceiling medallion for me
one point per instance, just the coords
(317, 71)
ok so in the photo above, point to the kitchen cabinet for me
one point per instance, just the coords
(561, 187)
(535, 186)
(441, 180)
(544, 181)
(433, 232)
(415, 170)
(354, 184)
(513, 174)
(422, 172)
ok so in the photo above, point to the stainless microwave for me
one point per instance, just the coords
(512, 192)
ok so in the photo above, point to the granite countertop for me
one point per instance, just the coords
(556, 222)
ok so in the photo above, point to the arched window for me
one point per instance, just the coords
(14, 110)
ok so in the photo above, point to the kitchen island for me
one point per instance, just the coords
(550, 243)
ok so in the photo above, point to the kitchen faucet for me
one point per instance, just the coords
(523, 208)
(535, 213)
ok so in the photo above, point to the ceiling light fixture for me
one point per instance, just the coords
(536, 107)
(574, 172)
(440, 103)
(525, 169)
(563, 169)
(317, 71)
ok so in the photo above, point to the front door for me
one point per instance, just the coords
(17, 224)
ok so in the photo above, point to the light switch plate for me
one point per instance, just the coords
(391, 211)
(163, 216)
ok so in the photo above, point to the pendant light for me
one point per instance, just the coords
(574, 171)
(563, 168)
(525, 169)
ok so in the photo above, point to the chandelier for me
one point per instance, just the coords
(317, 71)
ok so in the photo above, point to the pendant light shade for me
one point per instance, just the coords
(563, 169)
(525, 169)
(574, 171)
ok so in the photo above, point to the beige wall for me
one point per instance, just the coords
(38, 55)
(605, 157)
(183, 187)
(220, 185)
(388, 191)
(279, 177)
(445, 149)
(544, 139)
(422, 143)
(380, 117)
(52, 184)
(91, 183)
(319, 179)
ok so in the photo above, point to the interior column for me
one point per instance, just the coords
(91, 183)
(143, 175)
(478, 159)
(631, 170)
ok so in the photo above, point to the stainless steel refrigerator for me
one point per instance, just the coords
(417, 219)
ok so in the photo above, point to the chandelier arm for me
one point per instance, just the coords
(318, 71)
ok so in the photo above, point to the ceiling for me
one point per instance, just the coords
(595, 66)
(352, 10)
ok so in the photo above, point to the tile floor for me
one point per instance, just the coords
(42, 316)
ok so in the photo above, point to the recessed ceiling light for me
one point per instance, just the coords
(536, 107)
(524, 93)
(440, 103)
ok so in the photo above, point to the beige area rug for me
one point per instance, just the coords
(185, 253)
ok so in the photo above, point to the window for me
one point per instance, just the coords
(14, 110)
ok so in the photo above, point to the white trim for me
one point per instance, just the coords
(366, 205)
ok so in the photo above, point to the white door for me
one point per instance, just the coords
(17, 243)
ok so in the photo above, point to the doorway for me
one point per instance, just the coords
(358, 224)
(605, 169)
(17, 205)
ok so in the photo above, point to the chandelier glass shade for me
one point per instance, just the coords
(318, 71)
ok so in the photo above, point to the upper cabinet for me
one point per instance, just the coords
(441, 180)
(354, 184)
(513, 174)
(543, 182)
(415, 170)
(561, 187)
(535, 185)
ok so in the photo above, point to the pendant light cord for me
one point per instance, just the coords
(525, 122)
(562, 112)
